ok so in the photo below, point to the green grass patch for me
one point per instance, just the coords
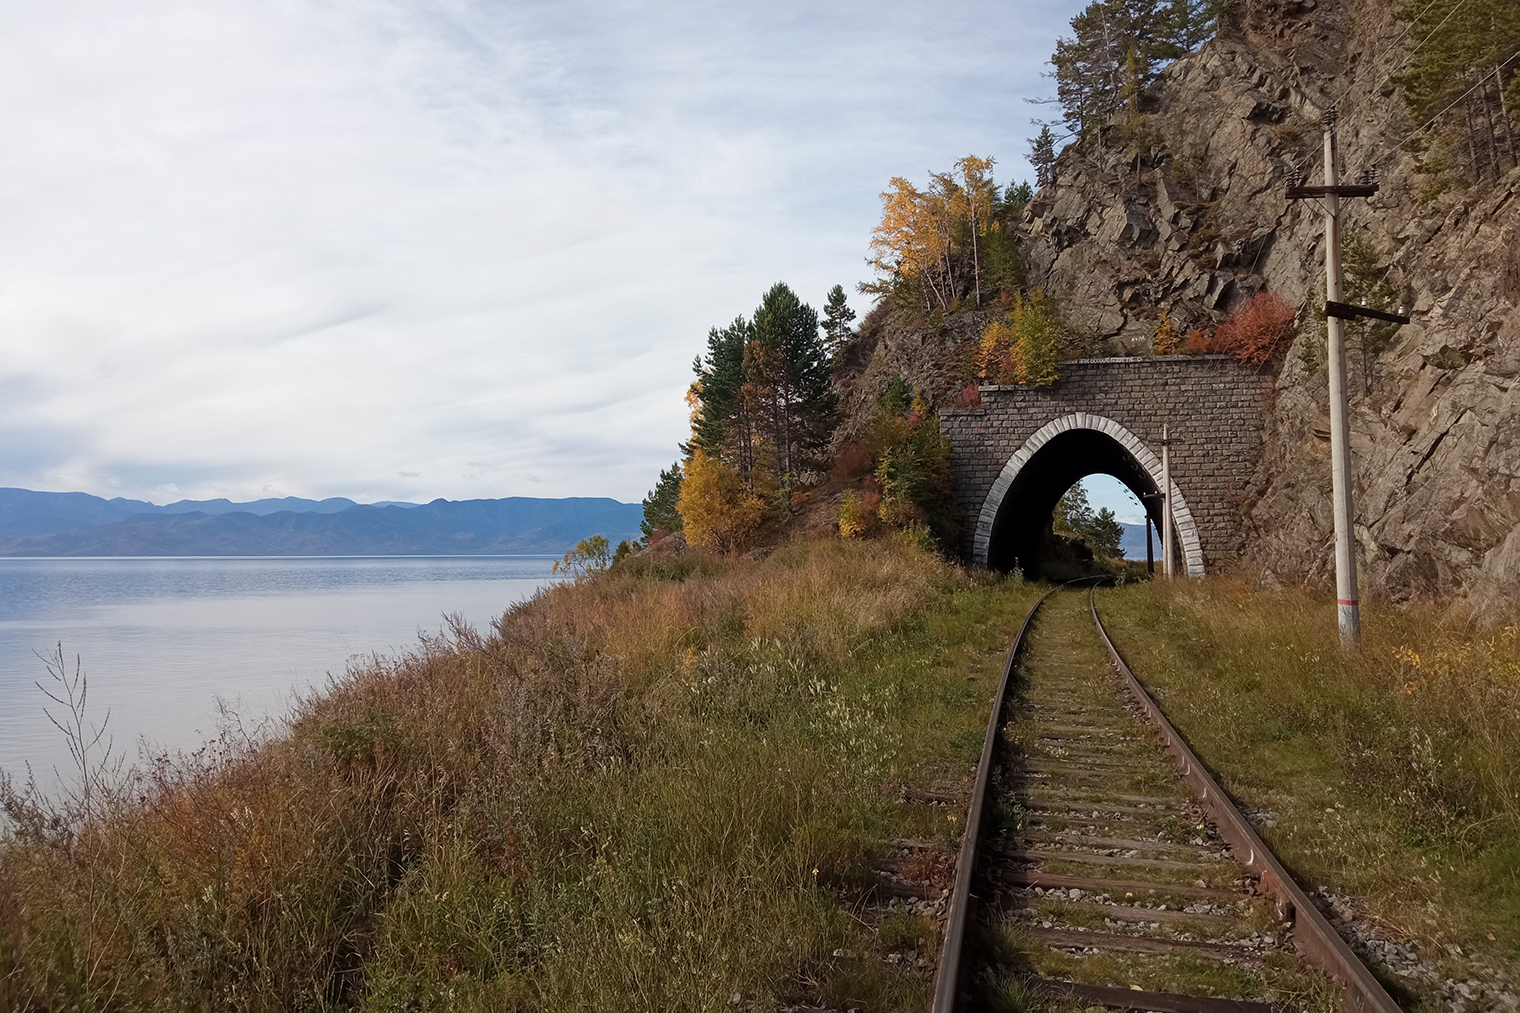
(656, 789)
(1391, 773)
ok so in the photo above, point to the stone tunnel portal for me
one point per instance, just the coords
(1106, 415)
(1021, 502)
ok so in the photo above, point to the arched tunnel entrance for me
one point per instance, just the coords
(1015, 519)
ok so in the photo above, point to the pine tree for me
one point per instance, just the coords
(836, 321)
(660, 512)
(1184, 25)
(1465, 76)
(1103, 535)
(788, 370)
(722, 422)
(1121, 45)
(1042, 155)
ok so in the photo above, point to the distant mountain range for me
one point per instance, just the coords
(1133, 541)
(78, 524)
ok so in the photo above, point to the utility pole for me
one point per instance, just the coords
(1150, 546)
(1166, 504)
(1348, 607)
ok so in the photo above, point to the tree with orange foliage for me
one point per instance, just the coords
(922, 232)
(717, 509)
(1259, 331)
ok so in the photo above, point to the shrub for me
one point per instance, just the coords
(1259, 331)
(1024, 346)
(589, 558)
(1165, 340)
(718, 510)
(854, 519)
(852, 461)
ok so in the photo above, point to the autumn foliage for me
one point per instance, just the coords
(1023, 345)
(911, 460)
(1259, 331)
(950, 240)
(719, 510)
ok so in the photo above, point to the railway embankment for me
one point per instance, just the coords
(696, 782)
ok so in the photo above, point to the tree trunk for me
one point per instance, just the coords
(1509, 131)
(976, 264)
(1491, 139)
(1472, 147)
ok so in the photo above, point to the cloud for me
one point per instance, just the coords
(330, 247)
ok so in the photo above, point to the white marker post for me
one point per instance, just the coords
(1348, 608)
(1166, 504)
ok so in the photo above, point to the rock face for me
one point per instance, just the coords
(1179, 207)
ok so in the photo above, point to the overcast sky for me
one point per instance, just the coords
(396, 250)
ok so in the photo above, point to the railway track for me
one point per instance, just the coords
(1101, 864)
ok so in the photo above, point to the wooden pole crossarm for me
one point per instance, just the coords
(1346, 311)
(1341, 190)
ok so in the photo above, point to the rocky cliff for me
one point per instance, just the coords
(1180, 207)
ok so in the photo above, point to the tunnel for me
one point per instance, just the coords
(1014, 530)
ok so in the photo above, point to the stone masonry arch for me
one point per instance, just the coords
(1107, 415)
(1187, 530)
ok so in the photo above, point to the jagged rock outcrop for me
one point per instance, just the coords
(1182, 209)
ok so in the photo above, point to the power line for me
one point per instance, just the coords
(1481, 83)
(1409, 55)
(1400, 38)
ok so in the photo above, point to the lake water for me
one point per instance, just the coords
(162, 640)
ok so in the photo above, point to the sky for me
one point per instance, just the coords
(395, 251)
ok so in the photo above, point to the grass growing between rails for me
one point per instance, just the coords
(658, 789)
(1390, 775)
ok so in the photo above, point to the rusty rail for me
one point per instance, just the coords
(947, 974)
(1312, 933)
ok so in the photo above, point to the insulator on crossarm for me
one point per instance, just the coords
(1295, 177)
(1370, 176)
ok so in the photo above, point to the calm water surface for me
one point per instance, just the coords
(162, 640)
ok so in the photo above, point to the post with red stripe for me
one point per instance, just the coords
(1346, 604)
(1347, 607)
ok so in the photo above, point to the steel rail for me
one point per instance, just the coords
(1311, 931)
(947, 974)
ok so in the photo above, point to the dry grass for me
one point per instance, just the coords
(645, 791)
(1392, 772)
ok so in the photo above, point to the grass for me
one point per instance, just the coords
(658, 789)
(1392, 773)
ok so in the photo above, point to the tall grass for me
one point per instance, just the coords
(644, 791)
(1392, 771)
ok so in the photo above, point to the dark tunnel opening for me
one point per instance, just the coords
(1021, 533)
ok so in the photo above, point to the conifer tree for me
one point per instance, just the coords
(722, 422)
(660, 512)
(1465, 75)
(788, 370)
(1120, 45)
(1001, 266)
(836, 321)
(1042, 155)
